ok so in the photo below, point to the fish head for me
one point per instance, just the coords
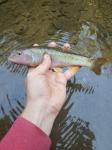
(21, 57)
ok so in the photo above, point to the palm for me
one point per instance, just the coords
(57, 89)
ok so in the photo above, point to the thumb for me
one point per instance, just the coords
(45, 65)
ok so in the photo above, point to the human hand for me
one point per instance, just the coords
(46, 93)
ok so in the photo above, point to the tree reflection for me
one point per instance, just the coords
(7, 120)
(5, 124)
(69, 132)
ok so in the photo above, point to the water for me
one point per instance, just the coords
(85, 121)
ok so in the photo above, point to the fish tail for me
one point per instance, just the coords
(96, 67)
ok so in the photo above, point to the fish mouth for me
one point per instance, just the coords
(11, 58)
(13, 61)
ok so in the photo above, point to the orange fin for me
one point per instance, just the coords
(57, 69)
(74, 69)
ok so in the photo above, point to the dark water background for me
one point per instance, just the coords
(85, 122)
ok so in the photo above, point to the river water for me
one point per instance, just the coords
(85, 121)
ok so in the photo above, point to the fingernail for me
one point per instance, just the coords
(35, 44)
(46, 56)
(52, 44)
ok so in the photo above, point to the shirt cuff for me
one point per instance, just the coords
(25, 135)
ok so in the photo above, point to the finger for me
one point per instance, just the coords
(66, 47)
(35, 45)
(61, 79)
(49, 72)
(51, 77)
(44, 66)
(31, 69)
(71, 72)
(52, 44)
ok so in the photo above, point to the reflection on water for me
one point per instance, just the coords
(81, 88)
(85, 121)
(71, 132)
(5, 124)
(96, 108)
(12, 98)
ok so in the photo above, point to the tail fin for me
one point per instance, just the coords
(98, 63)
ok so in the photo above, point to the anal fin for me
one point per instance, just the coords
(73, 69)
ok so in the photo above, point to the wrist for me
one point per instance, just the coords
(40, 115)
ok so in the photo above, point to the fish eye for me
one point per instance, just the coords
(19, 53)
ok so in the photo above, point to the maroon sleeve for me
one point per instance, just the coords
(24, 135)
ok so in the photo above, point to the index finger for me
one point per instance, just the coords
(44, 66)
(71, 72)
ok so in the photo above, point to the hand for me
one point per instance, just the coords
(46, 93)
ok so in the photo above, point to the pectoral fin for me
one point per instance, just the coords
(57, 69)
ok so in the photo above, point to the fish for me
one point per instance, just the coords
(34, 56)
